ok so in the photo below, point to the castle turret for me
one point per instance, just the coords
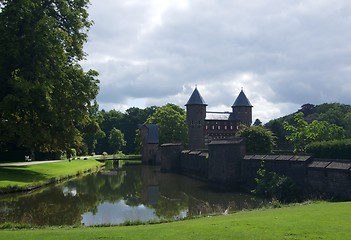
(195, 118)
(242, 109)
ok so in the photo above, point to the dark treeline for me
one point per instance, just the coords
(128, 122)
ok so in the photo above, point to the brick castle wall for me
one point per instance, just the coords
(226, 164)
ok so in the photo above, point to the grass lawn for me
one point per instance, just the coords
(310, 221)
(26, 177)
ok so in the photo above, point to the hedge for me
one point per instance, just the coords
(336, 149)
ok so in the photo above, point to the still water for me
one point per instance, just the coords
(116, 196)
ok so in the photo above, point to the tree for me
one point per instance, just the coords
(257, 122)
(133, 117)
(303, 133)
(258, 139)
(274, 186)
(334, 114)
(171, 124)
(107, 121)
(45, 95)
(128, 122)
(277, 128)
(116, 140)
(347, 124)
(307, 109)
(92, 131)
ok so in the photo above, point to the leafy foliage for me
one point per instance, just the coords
(127, 122)
(171, 120)
(45, 95)
(258, 139)
(333, 113)
(274, 186)
(116, 140)
(133, 117)
(257, 122)
(337, 149)
(71, 152)
(303, 133)
(107, 121)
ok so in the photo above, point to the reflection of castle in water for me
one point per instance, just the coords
(133, 193)
(173, 195)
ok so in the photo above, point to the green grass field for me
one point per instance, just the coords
(23, 177)
(309, 221)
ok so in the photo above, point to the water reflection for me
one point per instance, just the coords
(131, 193)
(116, 213)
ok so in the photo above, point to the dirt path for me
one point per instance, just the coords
(19, 164)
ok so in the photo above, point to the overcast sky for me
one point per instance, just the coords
(282, 53)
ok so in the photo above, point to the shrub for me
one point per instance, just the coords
(340, 149)
(71, 152)
(274, 186)
(259, 140)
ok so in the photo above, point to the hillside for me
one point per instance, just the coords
(335, 113)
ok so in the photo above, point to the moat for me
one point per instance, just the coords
(116, 196)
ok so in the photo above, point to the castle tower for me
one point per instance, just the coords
(195, 119)
(242, 109)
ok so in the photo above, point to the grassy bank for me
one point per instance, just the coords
(17, 178)
(312, 221)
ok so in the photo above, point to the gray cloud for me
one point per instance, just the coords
(284, 53)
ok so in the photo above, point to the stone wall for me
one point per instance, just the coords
(226, 164)
(194, 164)
(170, 157)
(292, 166)
(330, 178)
(315, 177)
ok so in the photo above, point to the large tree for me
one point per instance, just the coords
(171, 121)
(45, 94)
(258, 139)
(116, 140)
(133, 117)
(107, 121)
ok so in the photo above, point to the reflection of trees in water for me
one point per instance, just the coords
(38, 210)
(55, 206)
(131, 187)
(170, 208)
(182, 194)
(168, 194)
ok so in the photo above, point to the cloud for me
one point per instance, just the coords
(283, 53)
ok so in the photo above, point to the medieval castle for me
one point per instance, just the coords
(204, 126)
(215, 156)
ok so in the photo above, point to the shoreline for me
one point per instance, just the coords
(53, 180)
(287, 222)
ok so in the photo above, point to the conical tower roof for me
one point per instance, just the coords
(196, 99)
(242, 100)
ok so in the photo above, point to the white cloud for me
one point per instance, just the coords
(283, 53)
